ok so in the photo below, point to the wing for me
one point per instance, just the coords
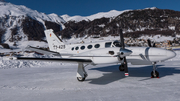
(43, 51)
(56, 59)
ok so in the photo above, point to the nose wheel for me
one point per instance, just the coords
(154, 73)
(121, 67)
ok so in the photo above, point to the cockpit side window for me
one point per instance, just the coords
(108, 44)
(117, 44)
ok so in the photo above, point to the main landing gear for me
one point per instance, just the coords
(154, 73)
(81, 73)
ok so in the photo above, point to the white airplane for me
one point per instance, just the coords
(111, 52)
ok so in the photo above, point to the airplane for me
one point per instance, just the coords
(107, 52)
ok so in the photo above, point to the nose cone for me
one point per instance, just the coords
(125, 52)
(170, 54)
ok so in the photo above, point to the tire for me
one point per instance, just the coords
(121, 67)
(85, 75)
(81, 79)
(156, 74)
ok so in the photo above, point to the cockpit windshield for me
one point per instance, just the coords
(117, 44)
(114, 44)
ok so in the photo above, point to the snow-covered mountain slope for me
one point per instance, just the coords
(112, 13)
(14, 19)
(19, 23)
(20, 10)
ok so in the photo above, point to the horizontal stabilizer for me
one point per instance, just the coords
(46, 52)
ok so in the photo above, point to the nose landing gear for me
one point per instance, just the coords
(154, 73)
(121, 67)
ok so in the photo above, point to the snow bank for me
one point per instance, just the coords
(157, 38)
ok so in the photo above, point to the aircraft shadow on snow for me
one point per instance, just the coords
(113, 73)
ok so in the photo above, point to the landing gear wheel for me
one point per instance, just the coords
(121, 67)
(156, 75)
(85, 75)
(81, 79)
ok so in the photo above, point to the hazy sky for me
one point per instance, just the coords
(89, 7)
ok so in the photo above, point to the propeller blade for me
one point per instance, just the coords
(125, 67)
(149, 43)
(122, 38)
(128, 52)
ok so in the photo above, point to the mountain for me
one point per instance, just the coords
(19, 23)
(110, 14)
(135, 23)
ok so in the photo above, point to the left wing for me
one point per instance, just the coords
(56, 59)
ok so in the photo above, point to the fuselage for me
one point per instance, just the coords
(109, 52)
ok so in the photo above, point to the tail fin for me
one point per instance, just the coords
(54, 42)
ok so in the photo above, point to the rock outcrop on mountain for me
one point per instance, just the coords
(134, 23)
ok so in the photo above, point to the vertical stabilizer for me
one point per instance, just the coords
(54, 42)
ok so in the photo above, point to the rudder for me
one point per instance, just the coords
(54, 42)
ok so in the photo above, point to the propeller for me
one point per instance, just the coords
(126, 51)
(149, 43)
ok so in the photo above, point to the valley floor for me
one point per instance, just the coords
(57, 82)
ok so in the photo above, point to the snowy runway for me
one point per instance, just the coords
(104, 83)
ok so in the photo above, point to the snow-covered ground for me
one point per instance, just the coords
(57, 82)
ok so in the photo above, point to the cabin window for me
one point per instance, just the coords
(89, 46)
(108, 44)
(72, 49)
(77, 48)
(111, 52)
(97, 46)
(82, 47)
